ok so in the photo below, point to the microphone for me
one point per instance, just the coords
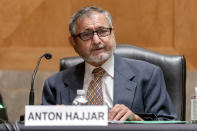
(31, 94)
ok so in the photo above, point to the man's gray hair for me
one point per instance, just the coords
(86, 11)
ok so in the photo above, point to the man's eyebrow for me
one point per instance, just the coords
(102, 27)
(88, 29)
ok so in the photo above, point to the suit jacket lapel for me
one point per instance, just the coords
(73, 82)
(124, 86)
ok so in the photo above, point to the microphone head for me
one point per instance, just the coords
(47, 56)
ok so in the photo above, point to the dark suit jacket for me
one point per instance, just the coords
(137, 84)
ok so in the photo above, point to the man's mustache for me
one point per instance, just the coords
(98, 46)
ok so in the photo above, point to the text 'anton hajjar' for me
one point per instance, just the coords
(66, 115)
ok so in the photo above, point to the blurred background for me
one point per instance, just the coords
(29, 28)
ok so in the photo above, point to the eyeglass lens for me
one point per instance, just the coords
(100, 32)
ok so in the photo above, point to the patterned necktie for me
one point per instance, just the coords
(94, 93)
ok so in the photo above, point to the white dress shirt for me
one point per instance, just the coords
(107, 80)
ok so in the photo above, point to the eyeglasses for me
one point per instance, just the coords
(89, 34)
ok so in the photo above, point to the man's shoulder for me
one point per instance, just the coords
(134, 62)
(76, 69)
(135, 67)
(142, 70)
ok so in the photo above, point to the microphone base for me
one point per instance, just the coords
(3, 114)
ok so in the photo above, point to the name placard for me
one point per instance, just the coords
(60, 115)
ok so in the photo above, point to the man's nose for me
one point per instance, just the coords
(96, 38)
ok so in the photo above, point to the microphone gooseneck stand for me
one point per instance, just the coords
(31, 94)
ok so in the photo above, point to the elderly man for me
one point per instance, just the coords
(128, 87)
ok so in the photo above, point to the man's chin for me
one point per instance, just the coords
(98, 59)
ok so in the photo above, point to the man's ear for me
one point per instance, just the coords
(113, 29)
(72, 41)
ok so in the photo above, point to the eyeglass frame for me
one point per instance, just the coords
(93, 32)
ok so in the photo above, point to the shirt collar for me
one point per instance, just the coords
(108, 66)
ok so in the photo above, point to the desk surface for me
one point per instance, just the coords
(110, 127)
